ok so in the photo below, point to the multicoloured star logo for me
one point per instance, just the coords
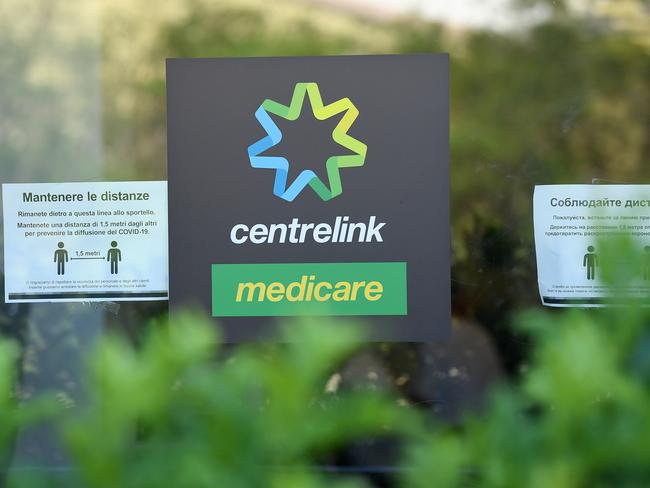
(333, 164)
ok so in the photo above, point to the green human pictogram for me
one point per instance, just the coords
(590, 261)
(114, 255)
(60, 258)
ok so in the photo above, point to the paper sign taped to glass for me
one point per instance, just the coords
(573, 223)
(76, 242)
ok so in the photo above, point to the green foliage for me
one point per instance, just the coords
(580, 416)
(8, 356)
(14, 415)
(171, 414)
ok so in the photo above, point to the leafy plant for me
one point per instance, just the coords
(171, 414)
(15, 415)
(580, 416)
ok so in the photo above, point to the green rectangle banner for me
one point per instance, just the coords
(294, 289)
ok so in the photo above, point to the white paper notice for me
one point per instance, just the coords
(69, 242)
(570, 222)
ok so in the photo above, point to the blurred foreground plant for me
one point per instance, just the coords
(8, 412)
(170, 415)
(14, 416)
(580, 416)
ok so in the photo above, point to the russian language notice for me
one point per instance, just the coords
(85, 241)
(572, 224)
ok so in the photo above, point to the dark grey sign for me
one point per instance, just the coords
(329, 175)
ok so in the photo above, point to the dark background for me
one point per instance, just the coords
(404, 110)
